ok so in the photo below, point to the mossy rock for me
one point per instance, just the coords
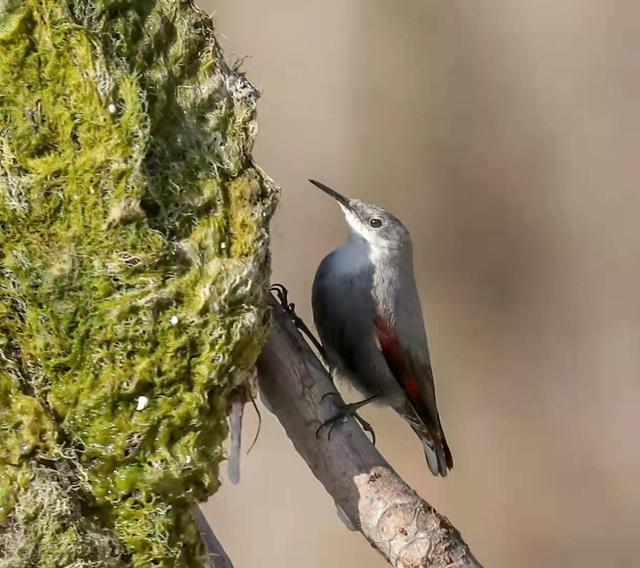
(133, 271)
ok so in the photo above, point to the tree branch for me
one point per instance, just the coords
(404, 528)
(216, 555)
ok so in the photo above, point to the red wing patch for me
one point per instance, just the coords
(406, 373)
(392, 352)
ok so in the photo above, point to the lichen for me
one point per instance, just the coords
(133, 266)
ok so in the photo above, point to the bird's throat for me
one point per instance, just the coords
(353, 257)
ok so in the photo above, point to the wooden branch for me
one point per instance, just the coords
(406, 530)
(216, 555)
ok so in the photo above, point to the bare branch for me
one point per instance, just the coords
(406, 530)
(216, 555)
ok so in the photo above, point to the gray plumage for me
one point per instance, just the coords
(368, 315)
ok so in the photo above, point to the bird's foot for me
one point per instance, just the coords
(344, 412)
(282, 295)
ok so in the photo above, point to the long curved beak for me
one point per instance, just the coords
(341, 199)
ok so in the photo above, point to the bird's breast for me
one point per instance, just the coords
(349, 260)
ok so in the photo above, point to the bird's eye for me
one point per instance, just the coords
(375, 222)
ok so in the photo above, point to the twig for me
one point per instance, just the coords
(406, 530)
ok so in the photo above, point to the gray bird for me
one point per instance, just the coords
(368, 315)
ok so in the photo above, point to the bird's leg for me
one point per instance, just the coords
(282, 295)
(344, 411)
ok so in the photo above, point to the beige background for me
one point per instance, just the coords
(507, 136)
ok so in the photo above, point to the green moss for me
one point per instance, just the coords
(133, 268)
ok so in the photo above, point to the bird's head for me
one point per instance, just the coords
(382, 230)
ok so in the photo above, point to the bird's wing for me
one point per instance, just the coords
(405, 350)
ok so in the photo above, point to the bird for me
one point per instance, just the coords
(369, 319)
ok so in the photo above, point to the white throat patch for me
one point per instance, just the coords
(354, 223)
(366, 241)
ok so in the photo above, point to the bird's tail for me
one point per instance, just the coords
(439, 458)
(436, 449)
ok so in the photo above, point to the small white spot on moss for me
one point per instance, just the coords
(175, 320)
(143, 402)
(223, 246)
(112, 108)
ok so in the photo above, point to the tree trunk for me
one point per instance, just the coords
(133, 268)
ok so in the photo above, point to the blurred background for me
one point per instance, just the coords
(507, 136)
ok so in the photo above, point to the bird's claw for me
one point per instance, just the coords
(366, 427)
(327, 394)
(342, 415)
(282, 295)
(331, 423)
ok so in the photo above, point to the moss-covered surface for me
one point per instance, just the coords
(133, 268)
